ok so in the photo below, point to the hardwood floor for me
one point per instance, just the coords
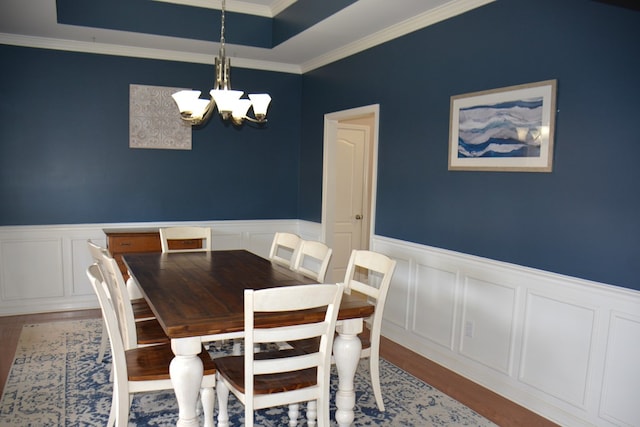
(485, 402)
(491, 405)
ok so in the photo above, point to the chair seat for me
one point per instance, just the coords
(152, 363)
(232, 369)
(150, 332)
(141, 309)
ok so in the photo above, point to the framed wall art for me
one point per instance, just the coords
(154, 121)
(506, 129)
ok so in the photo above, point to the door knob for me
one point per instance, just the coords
(358, 216)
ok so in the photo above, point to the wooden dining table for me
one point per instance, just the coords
(199, 297)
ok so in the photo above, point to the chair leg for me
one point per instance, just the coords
(104, 342)
(374, 367)
(323, 412)
(208, 403)
(294, 411)
(223, 400)
(312, 413)
(237, 348)
(112, 412)
(120, 407)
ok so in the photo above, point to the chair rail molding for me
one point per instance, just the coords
(560, 346)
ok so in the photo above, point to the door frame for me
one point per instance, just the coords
(331, 121)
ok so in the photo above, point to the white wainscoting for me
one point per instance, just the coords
(566, 348)
(43, 268)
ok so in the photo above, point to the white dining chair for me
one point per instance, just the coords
(286, 377)
(139, 306)
(369, 273)
(168, 234)
(284, 248)
(144, 369)
(136, 333)
(312, 259)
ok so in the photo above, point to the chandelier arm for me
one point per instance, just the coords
(209, 111)
(251, 119)
(195, 121)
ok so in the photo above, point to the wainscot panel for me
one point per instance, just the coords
(563, 347)
(42, 268)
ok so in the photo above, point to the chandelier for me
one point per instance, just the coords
(231, 106)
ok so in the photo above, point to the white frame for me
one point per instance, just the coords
(539, 132)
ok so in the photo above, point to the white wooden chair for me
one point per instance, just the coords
(268, 379)
(167, 234)
(139, 306)
(312, 259)
(369, 273)
(284, 248)
(142, 369)
(135, 333)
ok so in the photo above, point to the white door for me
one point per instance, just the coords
(349, 183)
(351, 195)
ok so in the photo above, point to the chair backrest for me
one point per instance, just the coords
(377, 268)
(101, 289)
(119, 295)
(290, 298)
(312, 259)
(185, 233)
(97, 253)
(283, 248)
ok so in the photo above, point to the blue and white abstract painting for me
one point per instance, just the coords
(507, 129)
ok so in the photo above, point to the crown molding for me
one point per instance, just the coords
(441, 13)
(148, 53)
(279, 5)
(418, 22)
(268, 11)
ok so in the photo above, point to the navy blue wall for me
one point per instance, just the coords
(583, 219)
(65, 156)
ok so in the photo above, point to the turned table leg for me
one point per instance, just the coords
(346, 351)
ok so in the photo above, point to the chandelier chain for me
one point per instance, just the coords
(222, 25)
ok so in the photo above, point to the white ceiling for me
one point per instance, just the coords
(359, 26)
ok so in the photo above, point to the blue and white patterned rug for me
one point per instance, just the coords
(56, 381)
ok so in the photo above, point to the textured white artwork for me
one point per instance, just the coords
(154, 120)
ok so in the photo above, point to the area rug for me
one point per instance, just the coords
(56, 381)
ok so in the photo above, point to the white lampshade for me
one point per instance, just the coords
(190, 104)
(199, 108)
(240, 109)
(260, 103)
(185, 99)
(225, 99)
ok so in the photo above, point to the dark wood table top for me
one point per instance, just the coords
(202, 293)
